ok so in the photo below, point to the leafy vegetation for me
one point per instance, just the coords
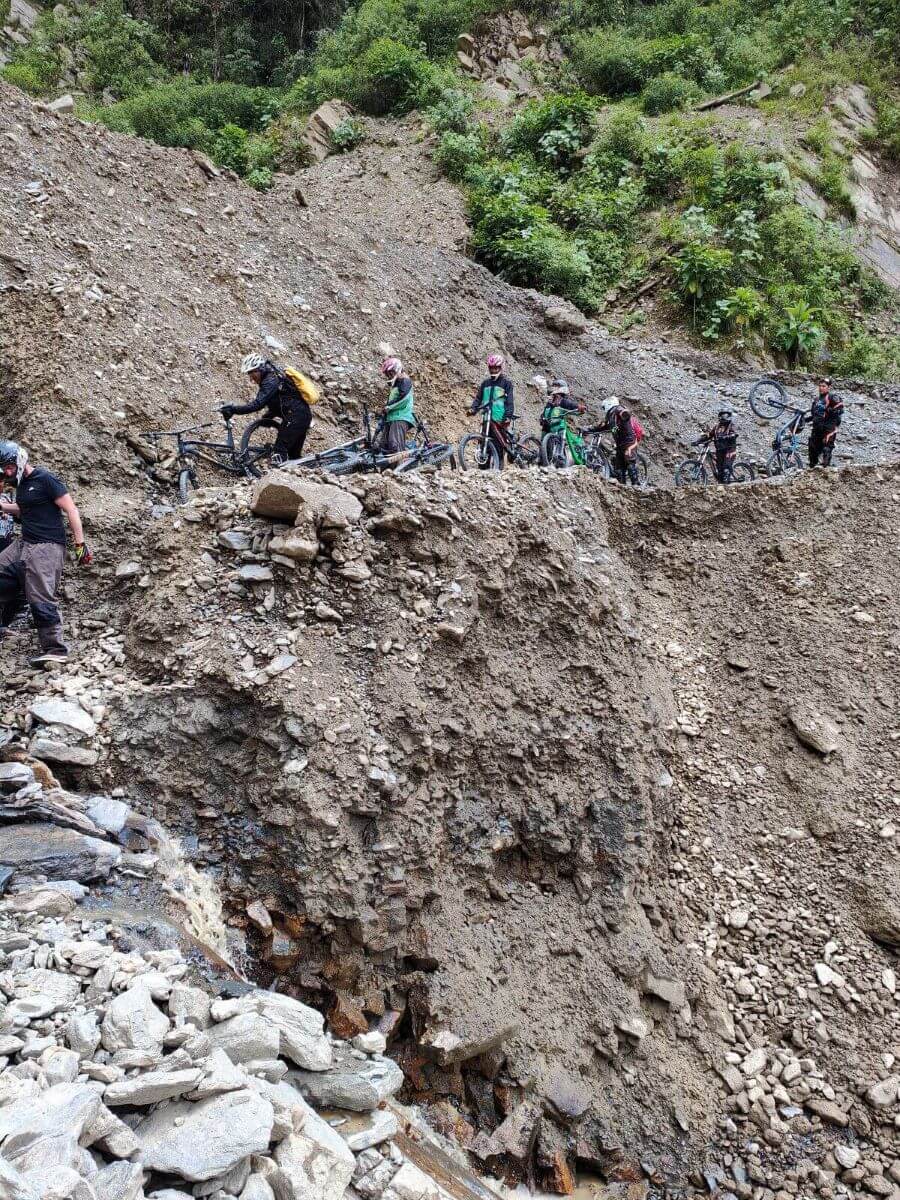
(605, 184)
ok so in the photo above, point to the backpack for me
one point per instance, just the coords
(304, 385)
(638, 428)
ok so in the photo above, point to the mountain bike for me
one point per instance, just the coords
(698, 470)
(786, 456)
(420, 450)
(225, 456)
(562, 445)
(478, 449)
(601, 457)
(769, 399)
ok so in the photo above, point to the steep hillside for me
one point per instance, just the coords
(586, 799)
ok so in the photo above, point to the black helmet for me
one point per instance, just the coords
(13, 458)
(725, 414)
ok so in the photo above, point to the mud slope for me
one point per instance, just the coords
(131, 283)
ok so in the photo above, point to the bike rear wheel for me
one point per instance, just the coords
(478, 453)
(768, 398)
(257, 445)
(742, 472)
(643, 468)
(690, 471)
(187, 482)
(780, 463)
(528, 452)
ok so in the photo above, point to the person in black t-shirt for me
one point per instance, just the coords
(36, 557)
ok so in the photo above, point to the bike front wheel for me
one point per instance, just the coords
(257, 445)
(742, 472)
(690, 471)
(187, 482)
(643, 469)
(783, 464)
(554, 451)
(432, 456)
(768, 398)
(478, 453)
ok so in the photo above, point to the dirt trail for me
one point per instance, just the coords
(522, 769)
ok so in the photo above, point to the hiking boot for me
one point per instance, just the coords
(49, 658)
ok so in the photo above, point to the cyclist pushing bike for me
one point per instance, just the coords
(279, 395)
(724, 438)
(627, 433)
(399, 410)
(496, 394)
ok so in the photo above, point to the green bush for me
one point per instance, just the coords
(553, 130)
(452, 113)
(457, 154)
(347, 134)
(389, 77)
(885, 136)
(798, 331)
(667, 92)
(35, 73)
(185, 114)
(229, 148)
(865, 357)
(624, 137)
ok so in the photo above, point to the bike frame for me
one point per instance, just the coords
(792, 431)
(559, 423)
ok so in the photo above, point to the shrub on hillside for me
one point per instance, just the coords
(452, 113)
(186, 114)
(119, 51)
(554, 129)
(390, 77)
(667, 92)
(458, 154)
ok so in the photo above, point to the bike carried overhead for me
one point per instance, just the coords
(769, 399)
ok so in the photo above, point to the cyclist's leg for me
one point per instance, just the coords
(815, 446)
(292, 433)
(721, 467)
(396, 435)
(620, 465)
(828, 447)
(497, 434)
(631, 466)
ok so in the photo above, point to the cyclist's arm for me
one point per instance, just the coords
(8, 507)
(266, 395)
(478, 402)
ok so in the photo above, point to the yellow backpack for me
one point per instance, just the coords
(304, 385)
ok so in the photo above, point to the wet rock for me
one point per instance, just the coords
(359, 1085)
(201, 1141)
(133, 1022)
(56, 853)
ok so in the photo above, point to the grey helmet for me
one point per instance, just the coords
(13, 459)
(559, 387)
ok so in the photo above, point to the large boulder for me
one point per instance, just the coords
(282, 496)
(312, 1161)
(151, 1087)
(56, 853)
(321, 124)
(202, 1141)
(246, 1037)
(37, 992)
(300, 1028)
(133, 1022)
(357, 1084)
(66, 714)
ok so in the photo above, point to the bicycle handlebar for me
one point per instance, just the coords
(158, 433)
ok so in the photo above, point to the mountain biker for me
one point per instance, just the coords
(398, 410)
(496, 393)
(723, 436)
(824, 416)
(619, 421)
(278, 394)
(35, 559)
(559, 396)
(11, 608)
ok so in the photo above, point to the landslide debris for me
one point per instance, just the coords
(507, 771)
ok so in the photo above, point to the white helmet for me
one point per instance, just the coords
(252, 362)
(559, 387)
(609, 404)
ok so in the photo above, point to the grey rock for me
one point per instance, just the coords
(111, 1135)
(315, 1161)
(61, 1113)
(62, 104)
(43, 902)
(847, 1156)
(151, 1087)
(60, 1065)
(813, 728)
(670, 991)
(55, 852)
(363, 1130)
(120, 1181)
(50, 750)
(257, 1187)
(38, 992)
(282, 496)
(253, 573)
(565, 318)
(200, 1141)
(14, 1185)
(66, 713)
(357, 1084)
(289, 1106)
(191, 1004)
(133, 1022)
(884, 1093)
(108, 814)
(128, 570)
(246, 1037)
(234, 539)
(15, 775)
(219, 1075)
(300, 1028)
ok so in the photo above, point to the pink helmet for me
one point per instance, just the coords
(391, 367)
(495, 361)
